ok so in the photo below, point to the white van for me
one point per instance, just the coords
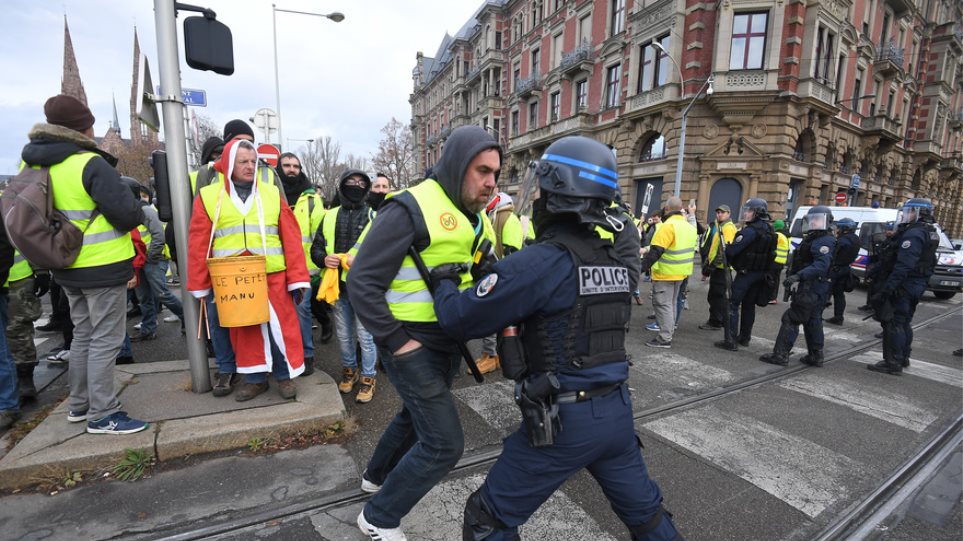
(947, 279)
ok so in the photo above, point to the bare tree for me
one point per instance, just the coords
(395, 156)
(133, 160)
(352, 161)
(205, 129)
(321, 162)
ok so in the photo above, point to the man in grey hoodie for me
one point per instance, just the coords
(442, 218)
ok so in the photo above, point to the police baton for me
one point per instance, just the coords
(426, 276)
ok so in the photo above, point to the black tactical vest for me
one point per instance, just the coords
(927, 262)
(803, 256)
(761, 253)
(592, 331)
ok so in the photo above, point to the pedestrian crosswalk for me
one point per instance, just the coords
(922, 369)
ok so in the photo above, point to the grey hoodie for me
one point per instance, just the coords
(387, 242)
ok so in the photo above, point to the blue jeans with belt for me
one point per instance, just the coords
(424, 440)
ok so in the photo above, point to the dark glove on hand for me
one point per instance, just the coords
(790, 280)
(41, 284)
(450, 272)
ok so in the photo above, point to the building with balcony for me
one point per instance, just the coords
(807, 94)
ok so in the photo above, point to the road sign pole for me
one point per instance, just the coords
(170, 82)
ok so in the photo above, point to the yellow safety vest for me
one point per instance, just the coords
(21, 269)
(103, 244)
(452, 239)
(235, 233)
(146, 237)
(309, 211)
(782, 249)
(676, 260)
(728, 232)
(512, 232)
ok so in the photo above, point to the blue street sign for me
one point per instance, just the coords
(192, 97)
(855, 182)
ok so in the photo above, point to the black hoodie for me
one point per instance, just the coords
(387, 242)
(351, 221)
(51, 144)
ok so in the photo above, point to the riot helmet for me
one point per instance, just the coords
(819, 218)
(846, 225)
(914, 209)
(576, 175)
(754, 209)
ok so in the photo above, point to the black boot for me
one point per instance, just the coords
(776, 357)
(724, 344)
(813, 358)
(25, 386)
(835, 320)
(886, 367)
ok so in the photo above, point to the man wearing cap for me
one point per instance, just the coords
(88, 190)
(712, 249)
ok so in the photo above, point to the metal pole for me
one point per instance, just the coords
(170, 84)
(678, 163)
(277, 85)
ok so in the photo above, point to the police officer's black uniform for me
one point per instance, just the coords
(751, 254)
(569, 296)
(904, 271)
(847, 249)
(810, 269)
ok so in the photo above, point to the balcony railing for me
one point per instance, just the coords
(472, 75)
(889, 58)
(524, 87)
(956, 120)
(882, 125)
(577, 60)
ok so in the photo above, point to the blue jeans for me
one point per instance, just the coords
(422, 442)
(279, 368)
(306, 319)
(148, 308)
(9, 396)
(220, 339)
(348, 328)
(155, 274)
(125, 349)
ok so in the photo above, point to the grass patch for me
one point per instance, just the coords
(135, 465)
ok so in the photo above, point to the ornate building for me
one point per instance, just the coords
(806, 94)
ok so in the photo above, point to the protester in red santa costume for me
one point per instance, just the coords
(240, 217)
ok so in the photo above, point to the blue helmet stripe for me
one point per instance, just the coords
(579, 163)
(596, 178)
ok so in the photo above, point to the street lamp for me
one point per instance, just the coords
(308, 141)
(661, 49)
(707, 88)
(334, 16)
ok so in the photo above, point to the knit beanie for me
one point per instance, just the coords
(69, 112)
(237, 127)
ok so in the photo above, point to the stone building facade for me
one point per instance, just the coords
(805, 95)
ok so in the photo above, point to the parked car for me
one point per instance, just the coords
(947, 279)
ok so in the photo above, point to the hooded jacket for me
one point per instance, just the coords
(51, 144)
(351, 216)
(293, 186)
(387, 242)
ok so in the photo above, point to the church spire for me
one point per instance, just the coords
(70, 83)
(116, 122)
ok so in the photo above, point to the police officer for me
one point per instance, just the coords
(847, 248)
(751, 255)
(903, 275)
(569, 295)
(810, 269)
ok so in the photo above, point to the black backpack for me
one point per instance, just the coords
(44, 235)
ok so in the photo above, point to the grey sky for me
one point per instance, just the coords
(345, 80)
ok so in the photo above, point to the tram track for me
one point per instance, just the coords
(853, 518)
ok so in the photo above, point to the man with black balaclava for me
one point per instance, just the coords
(339, 232)
(308, 207)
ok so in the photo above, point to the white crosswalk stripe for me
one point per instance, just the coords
(494, 402)
(799, 472)
(766, 344)
(680, 371)
(895, 408)
(931, 371)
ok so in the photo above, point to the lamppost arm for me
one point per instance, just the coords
(678, 68)
(707, 88)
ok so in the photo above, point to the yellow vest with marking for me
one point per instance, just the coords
(452, 239)
(782, 249)
(21, 269)
(676, 260)
(235, 233)
(728, 232)
(103, 244)
(309, 211)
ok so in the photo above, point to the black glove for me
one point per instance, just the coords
(790, 280)
(450, 272)
(41, 284)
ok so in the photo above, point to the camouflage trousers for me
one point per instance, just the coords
(23, 309)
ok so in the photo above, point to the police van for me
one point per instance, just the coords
(947, 279)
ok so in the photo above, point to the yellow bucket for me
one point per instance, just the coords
(240, 290)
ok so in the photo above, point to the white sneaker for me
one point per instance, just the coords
(61, 357)
(379, 534)
(368, 486)
(137, 327)
(171, 319)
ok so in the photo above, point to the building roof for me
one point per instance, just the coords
(434, 65)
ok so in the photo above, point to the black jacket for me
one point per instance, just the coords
(51, 144)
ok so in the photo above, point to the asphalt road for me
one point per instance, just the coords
(777, 460)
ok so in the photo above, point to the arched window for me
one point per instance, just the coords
(653, 148)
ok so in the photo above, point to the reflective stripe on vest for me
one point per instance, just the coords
(451, 236)
(677, 259)
(103, 244)
(235, 233)
(782, 249)
(309, 220)
(21, 269)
